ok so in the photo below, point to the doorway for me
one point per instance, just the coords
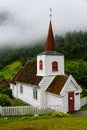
(70, 101)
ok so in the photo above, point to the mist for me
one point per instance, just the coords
(25, 22)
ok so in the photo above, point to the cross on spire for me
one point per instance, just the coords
(50, 13)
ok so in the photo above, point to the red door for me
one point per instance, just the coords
(71, 101)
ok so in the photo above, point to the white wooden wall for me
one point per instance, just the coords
(52, 99)
(47, 65)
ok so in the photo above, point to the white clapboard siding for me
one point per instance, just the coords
(28, 110)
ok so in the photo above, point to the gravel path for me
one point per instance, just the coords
(80, 113)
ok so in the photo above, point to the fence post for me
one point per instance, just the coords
(0, 110)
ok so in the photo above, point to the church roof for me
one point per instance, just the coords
(57, 84)
(50, 42)
(28, 74)
(4, 82)
(50, 53)
(16, 76)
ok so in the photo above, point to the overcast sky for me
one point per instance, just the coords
(23, 21)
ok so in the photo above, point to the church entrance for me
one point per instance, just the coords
(70, 101)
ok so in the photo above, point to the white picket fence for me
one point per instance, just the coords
(28, 110)
(83, 101)
(31, 110)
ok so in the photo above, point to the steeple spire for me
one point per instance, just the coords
(50, 42)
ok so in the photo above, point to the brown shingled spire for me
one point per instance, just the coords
(50, 43)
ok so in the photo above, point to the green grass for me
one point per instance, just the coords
(43, 123)
(9, 71)
(18, 102)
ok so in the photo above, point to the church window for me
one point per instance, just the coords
(34, 93)
(41, 65)
(21, 89)
(54, 66)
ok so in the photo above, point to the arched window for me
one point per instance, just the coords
(54, 66)
(41, 65)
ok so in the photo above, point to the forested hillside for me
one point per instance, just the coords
(8, 56)
(73, 45)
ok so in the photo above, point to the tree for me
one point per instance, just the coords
(79, 71)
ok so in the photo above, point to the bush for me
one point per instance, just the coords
(5, 100)
(59, 114)
(85, 58)
(6, 90)
(1, 66)
(84, 93)
(78, 69)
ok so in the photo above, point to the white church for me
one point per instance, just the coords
(44, 82)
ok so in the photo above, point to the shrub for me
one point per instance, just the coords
(59, 114)
(5, 90)
(78, 69)
(84, 93)
(1, 66)
(85, 58)
(5, 100)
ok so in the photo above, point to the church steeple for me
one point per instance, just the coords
(50, 42)
(50, 62)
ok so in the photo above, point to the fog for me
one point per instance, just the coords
(26, 21)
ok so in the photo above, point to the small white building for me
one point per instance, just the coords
(45, 83)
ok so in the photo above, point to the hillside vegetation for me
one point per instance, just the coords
(73, 45)
(9, 71)
(78, 69)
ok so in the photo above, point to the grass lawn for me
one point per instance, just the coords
(18, 102)
(44, 123)
(9, 71)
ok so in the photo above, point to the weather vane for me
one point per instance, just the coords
(50, 13)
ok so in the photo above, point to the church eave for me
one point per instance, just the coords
(50, 53)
